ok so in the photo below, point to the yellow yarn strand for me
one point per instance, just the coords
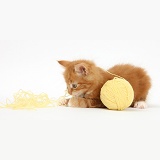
(28, 100)
(114, 75)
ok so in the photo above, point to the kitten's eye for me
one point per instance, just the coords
(74, 86)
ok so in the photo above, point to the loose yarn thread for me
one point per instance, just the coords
(28, 100)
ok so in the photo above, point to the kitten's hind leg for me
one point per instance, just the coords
(140, 104)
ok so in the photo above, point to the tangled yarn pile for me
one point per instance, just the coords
(28, 100)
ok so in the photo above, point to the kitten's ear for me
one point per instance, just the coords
(81, 69)
(64, 63)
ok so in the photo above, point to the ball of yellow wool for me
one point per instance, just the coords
(117, 94)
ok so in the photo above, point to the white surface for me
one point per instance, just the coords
(71, 133)
(108, 32)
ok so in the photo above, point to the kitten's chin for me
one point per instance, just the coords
(79, 95)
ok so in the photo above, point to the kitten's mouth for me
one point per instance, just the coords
(82, 96)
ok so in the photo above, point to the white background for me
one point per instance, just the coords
(34, 35)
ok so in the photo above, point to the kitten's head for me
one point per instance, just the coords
(80, 76)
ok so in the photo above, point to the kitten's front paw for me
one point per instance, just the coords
(62, 101)
(140, 104)
(77, 102)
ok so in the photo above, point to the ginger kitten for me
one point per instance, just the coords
(84, 81)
